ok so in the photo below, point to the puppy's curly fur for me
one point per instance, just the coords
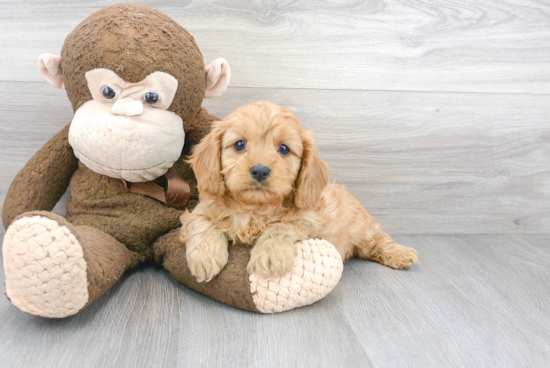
(293, 199)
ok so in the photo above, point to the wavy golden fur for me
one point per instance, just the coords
(294, 201)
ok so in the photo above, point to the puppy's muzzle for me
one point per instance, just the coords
(260, 172)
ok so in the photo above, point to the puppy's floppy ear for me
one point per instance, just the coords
(206, 162)
(313, 176)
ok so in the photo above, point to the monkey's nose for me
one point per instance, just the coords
(128, 106)
(260, 173)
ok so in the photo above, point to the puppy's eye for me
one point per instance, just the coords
(239, 145)
(108, 92)
(283, 149)
(151, 98)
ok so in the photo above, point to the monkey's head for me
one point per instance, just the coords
(136, 80)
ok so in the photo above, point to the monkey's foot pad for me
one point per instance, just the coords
(317, 269)
(45, 268)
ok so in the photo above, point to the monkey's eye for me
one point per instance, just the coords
(108, 92)
(151, 97)
(283, 149)
(239, 145)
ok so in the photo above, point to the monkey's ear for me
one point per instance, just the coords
(50, 67)
(218, 74)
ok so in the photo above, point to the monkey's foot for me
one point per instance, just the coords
(317, 269)
(45, 268)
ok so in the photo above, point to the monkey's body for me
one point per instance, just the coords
(135, 220)
(55, 267)
(117, 229)
(97, 200)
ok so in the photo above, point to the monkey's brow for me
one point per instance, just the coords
(123, 84)
(131, 89)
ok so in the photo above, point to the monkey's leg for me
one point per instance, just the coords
(54, 269)
(317, 269)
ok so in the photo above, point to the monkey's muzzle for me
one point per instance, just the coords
(136, 148)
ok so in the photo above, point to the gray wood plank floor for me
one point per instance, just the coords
(471, 301)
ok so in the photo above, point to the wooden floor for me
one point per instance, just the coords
(471, 301)
(436, 116)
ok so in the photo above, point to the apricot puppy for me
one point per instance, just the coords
(261, 182)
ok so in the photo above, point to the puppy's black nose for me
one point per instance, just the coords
(260, 173)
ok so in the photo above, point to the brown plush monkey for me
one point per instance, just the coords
(136, 80)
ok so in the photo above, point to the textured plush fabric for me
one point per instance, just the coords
(137, 149)
(101, 208)
(97, 200)
(49, 66)
(124, 139)
(43, 180)
(106, 259)
(218, 74)
(316, 272)
(161, 83)
(134, 41)
(231, 286)
(55, 269)
(45, 268)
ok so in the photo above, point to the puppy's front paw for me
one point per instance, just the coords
(272, 262)
(206, 260)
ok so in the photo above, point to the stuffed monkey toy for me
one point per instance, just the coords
(136, 80)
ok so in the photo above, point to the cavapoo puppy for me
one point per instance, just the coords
(261, 182)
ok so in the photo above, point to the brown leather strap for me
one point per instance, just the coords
(176, 194)
(178, 189)
(149, 189)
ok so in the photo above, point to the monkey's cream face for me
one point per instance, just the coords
(125, 131)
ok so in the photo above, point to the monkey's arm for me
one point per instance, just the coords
(199, 128)
(43, 180)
